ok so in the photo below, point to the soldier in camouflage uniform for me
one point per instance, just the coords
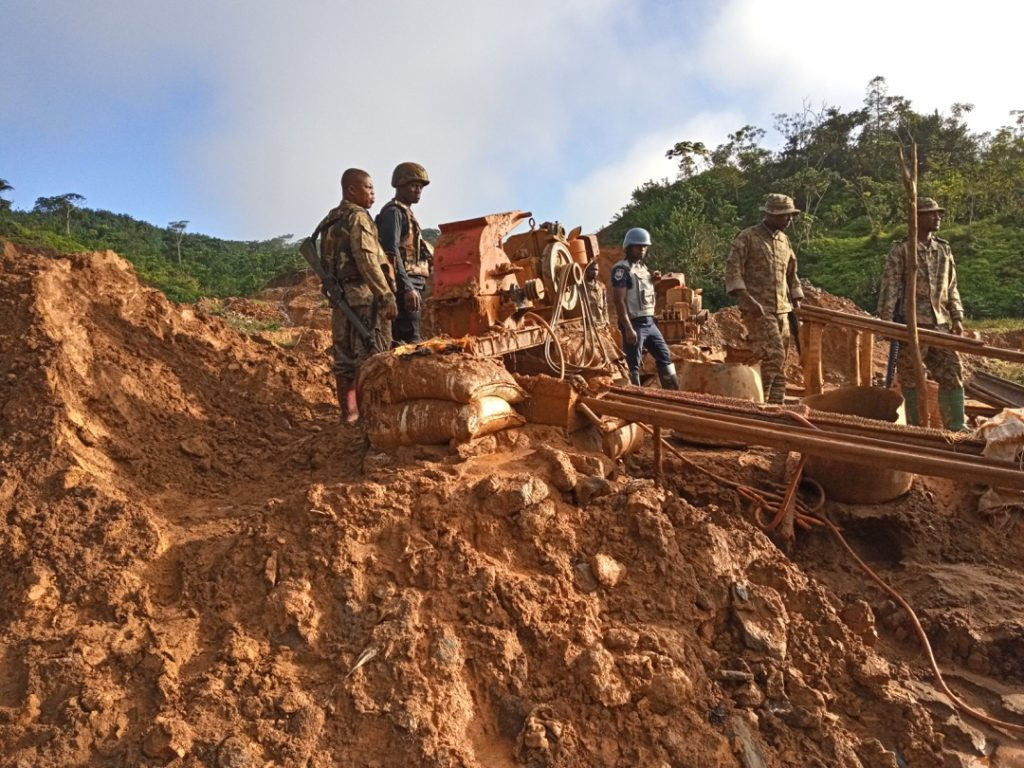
(351, 253)
(760, 271)
(596, 294)
(401, 240)
(938, 308)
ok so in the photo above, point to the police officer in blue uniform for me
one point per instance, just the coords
(633, 297)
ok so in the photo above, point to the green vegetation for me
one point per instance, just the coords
(843, 170)
(184, 266)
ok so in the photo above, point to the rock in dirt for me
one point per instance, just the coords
(859, 617)
(670, 691)
(167, 739)
(237, 752)
(596, 670)
(591, 487)
(744, 742)
(762, 619)
(561, 471)
(607, 570)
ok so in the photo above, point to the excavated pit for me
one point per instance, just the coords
(203, 568)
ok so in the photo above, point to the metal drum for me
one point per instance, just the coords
(727, 379)
(736, 380)
(848, 481)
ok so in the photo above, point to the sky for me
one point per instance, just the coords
(240, 117)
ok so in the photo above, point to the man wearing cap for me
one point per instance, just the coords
(760, 271)
(401, 239)
(938, 308)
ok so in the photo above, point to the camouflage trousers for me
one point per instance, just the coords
(768, 337)
(943, 364)
(350, 350)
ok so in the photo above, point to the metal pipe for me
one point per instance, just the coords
(836, 422)
(857, 449)
(742, 419)
(892, 330)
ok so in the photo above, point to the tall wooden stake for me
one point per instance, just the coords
(910, 281)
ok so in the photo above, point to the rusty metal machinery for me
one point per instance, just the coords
(679, 308)
(519, 291)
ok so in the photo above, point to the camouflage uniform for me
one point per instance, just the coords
(762, 261)
(351, 252)
(598, 299)
(401, 238)
(938, 305)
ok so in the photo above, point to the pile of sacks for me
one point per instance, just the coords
(436, 398)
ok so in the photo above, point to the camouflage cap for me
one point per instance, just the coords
(928, 204)
(779, 204)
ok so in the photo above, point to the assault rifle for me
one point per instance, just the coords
(329, 284)
(894, 345)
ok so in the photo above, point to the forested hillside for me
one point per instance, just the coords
(183, 265)
(843, 170)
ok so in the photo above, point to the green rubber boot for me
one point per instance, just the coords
(910, 406)
(951, 408)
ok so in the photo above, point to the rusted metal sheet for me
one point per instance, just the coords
(504, 342)
(468, 257)
(995, 390)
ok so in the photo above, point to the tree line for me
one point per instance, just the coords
(842, 168)
(183, 265)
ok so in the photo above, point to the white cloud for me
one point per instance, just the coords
(934, 54)
(592, 200)
(562, 109)
(478, 95)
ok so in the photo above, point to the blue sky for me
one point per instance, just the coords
(240, 117)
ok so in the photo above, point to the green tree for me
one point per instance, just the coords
(177, 229)
(5, 205)
(691, 155)
(60, 206)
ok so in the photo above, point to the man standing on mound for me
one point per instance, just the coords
(760, 271)
(350, 251)
(938, 308)
(633, 296)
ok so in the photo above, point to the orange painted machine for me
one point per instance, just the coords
(484, 280)
(518, 291)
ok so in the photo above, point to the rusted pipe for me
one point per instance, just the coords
(835, 422)
(939, 448)
(857, 449)
(889, 329)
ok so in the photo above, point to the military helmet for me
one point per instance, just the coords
(636, 236)
(406, 172)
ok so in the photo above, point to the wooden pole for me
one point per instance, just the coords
(856, 345)
(928, 441)
(814, 378)
(657, 453)
(890, 330)
(866, 363)
(910, 281)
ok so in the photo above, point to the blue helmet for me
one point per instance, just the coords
(636, 236)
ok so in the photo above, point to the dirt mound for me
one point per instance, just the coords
(725, 328)
(205, 569)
